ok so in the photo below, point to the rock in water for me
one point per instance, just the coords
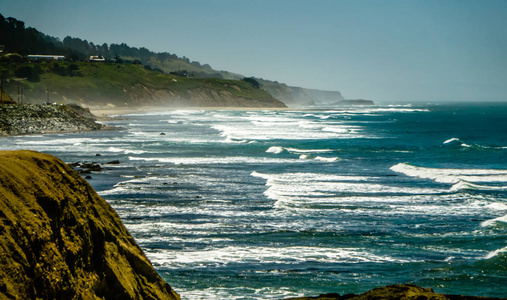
(60, 240)
(396, 292)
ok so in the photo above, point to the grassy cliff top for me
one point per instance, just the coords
(121, 84)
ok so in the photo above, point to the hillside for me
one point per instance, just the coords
(18, 39)
(60, 240)
(101, 84)
(300, 97)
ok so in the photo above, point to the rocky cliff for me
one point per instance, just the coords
(396, 292)
(60, 240)
(29, 119)
(300, 97)
(236, 94)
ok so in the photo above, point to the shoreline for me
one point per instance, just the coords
(105, 113)
(42, 119)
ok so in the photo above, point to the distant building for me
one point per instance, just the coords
(97, 58)
(46, 57)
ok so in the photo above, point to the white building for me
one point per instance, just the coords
(46, 57)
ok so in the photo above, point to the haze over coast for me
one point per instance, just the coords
(261, 149)
(384, 51)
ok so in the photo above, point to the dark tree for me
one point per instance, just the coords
(252, 81)
(27, 72)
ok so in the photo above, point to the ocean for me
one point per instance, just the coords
(264, 204)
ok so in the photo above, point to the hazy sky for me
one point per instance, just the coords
(399, 50)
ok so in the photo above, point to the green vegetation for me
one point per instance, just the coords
(121, 84)
(25, 41)
(126, 76)
(190, 83)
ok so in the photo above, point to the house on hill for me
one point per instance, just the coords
(97, 58)
(45, 57)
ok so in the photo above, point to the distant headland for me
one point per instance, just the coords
(73, 70)
(354, 102)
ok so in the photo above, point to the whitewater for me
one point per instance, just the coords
(263, 204)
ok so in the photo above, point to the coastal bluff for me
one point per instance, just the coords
(60, 240)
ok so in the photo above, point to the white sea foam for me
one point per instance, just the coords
(497, 206)
(377, 110)
(59, 141)
(327, 159)
(260, 255)
(456, 142)
(290, 188)
(215, 160)
(336, 129)
(464, 185)
(496, 253)
(294, 150)
(275, 149)
(492, 222)
(115, 149)
(278, 149)
(308, 177)
(114, 191)
(134, 151)
(451, 140)
(262, 128)
(169, 112)
(134, 186)
(463, 176)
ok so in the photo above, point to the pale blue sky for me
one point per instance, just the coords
(397, 50)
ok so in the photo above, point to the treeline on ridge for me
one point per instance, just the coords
(27, 40)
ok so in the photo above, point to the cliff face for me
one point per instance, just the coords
(225, 95)
(60, 240)
(100, 84)
(300, 97)
(28, 119)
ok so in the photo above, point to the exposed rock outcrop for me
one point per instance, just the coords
(396, 292)
(203, 96)
(30, 119)
(60, 240)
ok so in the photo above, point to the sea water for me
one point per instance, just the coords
(260, 204)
